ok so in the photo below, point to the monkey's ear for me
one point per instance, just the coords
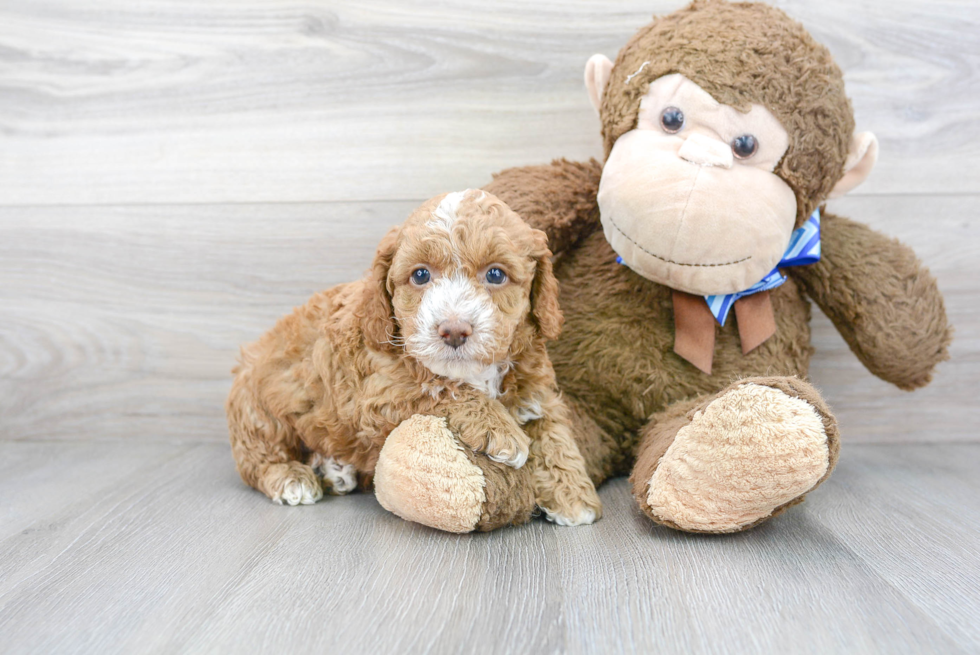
(597, 72)
(860, 160)
(376, 312)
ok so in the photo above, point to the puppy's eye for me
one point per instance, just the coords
(744, 146)
(496, 276)
(420, 276)
(672, 120)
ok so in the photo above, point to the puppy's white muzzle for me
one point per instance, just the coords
(453, 300)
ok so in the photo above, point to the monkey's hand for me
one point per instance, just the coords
(557, 198)
(882, 300)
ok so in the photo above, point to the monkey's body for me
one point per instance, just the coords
(616, 354)
(615, 360)
(725, 127)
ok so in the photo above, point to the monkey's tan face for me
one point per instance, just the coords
(689, 199)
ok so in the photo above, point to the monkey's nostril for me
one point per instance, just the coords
(454, 333)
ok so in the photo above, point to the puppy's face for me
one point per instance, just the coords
(462, 276)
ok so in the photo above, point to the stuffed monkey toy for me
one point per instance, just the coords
(687, 261)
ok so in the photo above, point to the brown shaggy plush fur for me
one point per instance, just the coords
(628, 392)
(330, 381)
(509, 493)
(881, 299)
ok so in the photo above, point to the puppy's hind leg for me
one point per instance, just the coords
(266, 450)
(338, 478)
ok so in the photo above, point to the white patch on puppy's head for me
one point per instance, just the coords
(444, 216)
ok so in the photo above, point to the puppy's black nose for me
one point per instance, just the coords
(455, 332)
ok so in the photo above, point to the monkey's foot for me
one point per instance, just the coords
(425, 475)
(739, 457)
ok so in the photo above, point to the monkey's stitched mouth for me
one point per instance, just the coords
(671, 261)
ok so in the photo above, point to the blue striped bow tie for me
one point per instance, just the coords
(804, 248)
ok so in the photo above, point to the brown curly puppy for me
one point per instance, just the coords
(451, 323)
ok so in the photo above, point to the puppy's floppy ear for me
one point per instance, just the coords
(376, 311)
(544, 291)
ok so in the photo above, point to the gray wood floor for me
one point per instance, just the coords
(175, 175)
(135, 547)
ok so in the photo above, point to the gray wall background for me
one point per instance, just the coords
(174, 176)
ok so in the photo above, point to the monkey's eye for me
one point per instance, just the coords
(672, 120)
(420, 276)
(496, 276)
(744, 146)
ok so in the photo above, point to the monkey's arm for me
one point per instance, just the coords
(557, 198)
(882, 300)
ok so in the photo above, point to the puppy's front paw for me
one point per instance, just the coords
(338, 478)
(579, 515)
(584, 509)
(511, 450)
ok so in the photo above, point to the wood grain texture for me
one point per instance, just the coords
(927, 494)
(167, 551)
(279, 100)
(124, 322)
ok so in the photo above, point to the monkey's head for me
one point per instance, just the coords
(725, 126)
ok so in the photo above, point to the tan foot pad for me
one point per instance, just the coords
(423, 475)
(749, 452)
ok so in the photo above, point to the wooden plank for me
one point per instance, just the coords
(925, 537)
(47, 487)
(270, 101)
(127, 321)
(183, 557)
(124, 322)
